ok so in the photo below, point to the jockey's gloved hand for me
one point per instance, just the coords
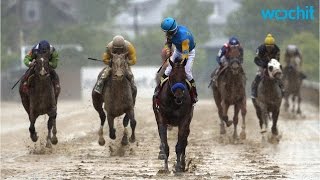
(32, 63)
(168, 52)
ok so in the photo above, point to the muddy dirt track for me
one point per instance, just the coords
(209, 156)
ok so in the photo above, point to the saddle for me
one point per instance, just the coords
(167, 78)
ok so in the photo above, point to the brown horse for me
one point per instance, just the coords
(118, 98)
(269, 98)
(41, 98)
(292, 83)
(174, 108)
(228, 90)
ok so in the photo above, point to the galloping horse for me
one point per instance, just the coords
(292, 83)
(174, 108)
(228, 90)
(269, 97)
(41, 98)
(118, 98)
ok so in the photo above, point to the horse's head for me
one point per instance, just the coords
(274, 69)
(177, 80)
(235, 65)
(41, 66)
(294, 63)
(119, 66)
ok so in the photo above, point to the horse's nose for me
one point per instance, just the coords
(43, 72)
(235, 65)
(119, 74)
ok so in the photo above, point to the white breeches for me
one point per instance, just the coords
(188, 67)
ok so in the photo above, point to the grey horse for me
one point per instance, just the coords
(118, 98)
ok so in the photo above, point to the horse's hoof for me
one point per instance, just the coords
(243, 135)
(54, 140)
(161, 156)
(132, 139)
(222, 131)
(179, 169)
(263, 130)
(124, 141)
(229, 123)
(34, 137)
(299, 111)
(101, 141)
(112, 134)
(275, 132)
(48, 145)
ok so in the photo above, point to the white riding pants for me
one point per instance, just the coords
(188, 67)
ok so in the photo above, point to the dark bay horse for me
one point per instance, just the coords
(269, 97)
(292, 83)
(118, 98)
(41, 98)
(175, 109)
(228, 90)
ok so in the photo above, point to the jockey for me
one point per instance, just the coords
(183, 40)
(265, 52)
(229, 50)
(42, 47)
(292, 51)
(117, 46)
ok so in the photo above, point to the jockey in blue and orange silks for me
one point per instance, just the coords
(184, 42)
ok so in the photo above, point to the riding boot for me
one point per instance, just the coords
(254, 86)
(193, 92)
(99, 85)
(55, 81)
(216, 73)
(133, 89)
(25, 87)
(159, 87)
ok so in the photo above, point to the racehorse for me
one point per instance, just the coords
(228, 90)
(292, 79)
(269, 97)
(118, 98)
(174, 107)
(41, 98)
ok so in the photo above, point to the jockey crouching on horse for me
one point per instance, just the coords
(265, 52)
(43, 47)
(183, 40)
(292, 51)
(117, 46)
(228, 51)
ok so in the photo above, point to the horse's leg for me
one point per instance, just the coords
(235, 120)
(225, 107)
(32, 130)
(112, 130)
(52, 124)
(183, 133)
(243, 114)
(217, 100)
(299, 101)
(48, 145)
(274, 128)
(54, 138)
(124, 140)
(164, 147)
(133, 124)
(293, 103)
(263, 119)
(97, 101)
(286, 103)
